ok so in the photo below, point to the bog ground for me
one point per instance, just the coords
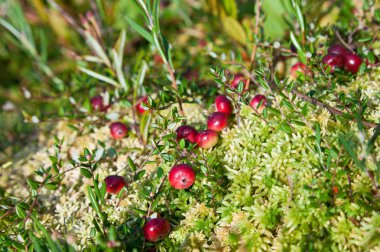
(183, 125)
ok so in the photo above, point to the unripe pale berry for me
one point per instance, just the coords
(223, 105)
(114, 184)
(207, 139)
(187, 132)
(181, 176)
(139, 108)
(118, 130)
(352, 63)
(156, 229)
(217, 121)
(334, 61)
(256, 101)
(97, 104)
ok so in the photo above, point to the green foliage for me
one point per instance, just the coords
(303, 175)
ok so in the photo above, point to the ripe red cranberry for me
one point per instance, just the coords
(334, 61)
(114, 184)
(139, 108)
(207, 139)
(352, 63)
(237, 78)
(187, 132)
(338, 50)
(223, 104)
(118, 130)
(298, 69)
(217, 121)
(256, 101)
(156, 229)
(181, 176)
(97, 104)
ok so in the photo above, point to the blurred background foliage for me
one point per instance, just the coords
(39, 53)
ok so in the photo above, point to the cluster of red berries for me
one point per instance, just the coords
(118, 129)
(216, 122)
(181, 176)
(339, 57)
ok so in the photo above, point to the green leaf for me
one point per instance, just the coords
(351, 152)
(139, 175)
(20, 211)
(144, 126)
(300, 51)
(99, 76)
(51, 244)
(94, 201)
(300, 17)
(131, 164)
(140, 30)
(86, 172)
(234, 29)
(167, 157)
(286, 127)
(160, 172)
(34, 185)
(182, 143)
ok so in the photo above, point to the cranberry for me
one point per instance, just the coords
(334, 61)
(118, 130)
(237, 78)
(217, 121)
(97, 104)
(256, 101)
(207, 139)
(114, 184)
(188, 133)
(156, 229)
(223, 104)
(338, 50)
(352, 63)
(181, 176)
(139, 108)
(298, 69)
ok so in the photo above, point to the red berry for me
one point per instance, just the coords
(139, 108)
(156, 229)
(223, 104)
(256, 101)
(114, 184)
(181, 176)
(352, 63)
(207, 139)
(335, 189)
(188, 133)
(236, 80)
(334, 61)
(118, 130)
(338, 50)
(298, 69)
(217, 121)
(97, 104)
